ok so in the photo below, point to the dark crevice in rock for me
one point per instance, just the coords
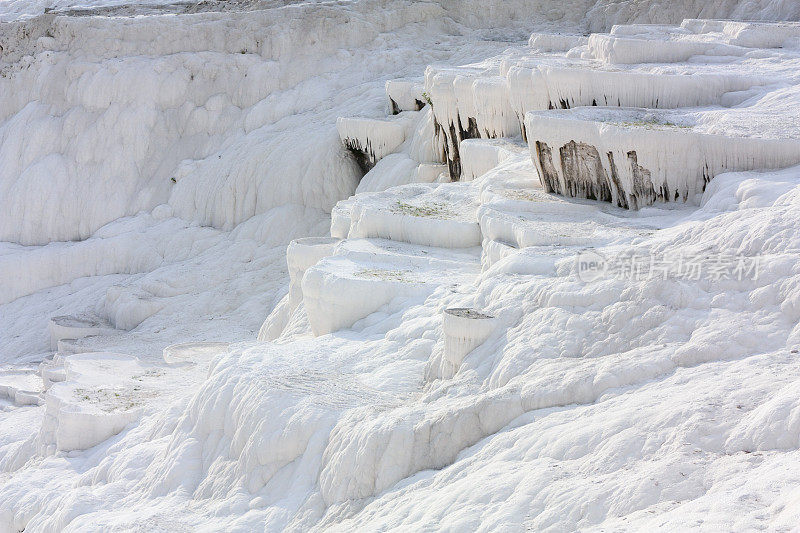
(549, 174)
(454, 134)
(707, 175)
(396, 110)
(364, 155)
(583, 172)
(622, 201)
(453, 156)
(643, 192)
(472, 131)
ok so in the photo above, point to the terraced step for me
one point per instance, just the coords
(73, 346)
(635, 157)
(302, 254)
(100, 395)
(491, 102)
(669, 47)
(52, 373)
(431, 172)
(623, 30)
(75, 327)
(21, 387)
(405, 95)
(665, 44)
(364, 275)
(749, 34)
(469, 103)
(192, 353)
(556, 42)
(463, 329)
(479, 156)
(519, 218)
(545, 87)
(536, 218)
(370, 139)
(440, 215)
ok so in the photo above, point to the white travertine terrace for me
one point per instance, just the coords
(633, 158)
(415, 272)
(556, 42)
